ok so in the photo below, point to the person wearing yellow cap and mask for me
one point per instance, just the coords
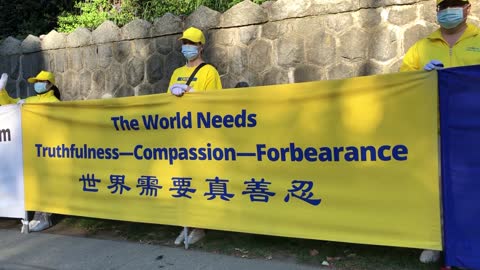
(455, 43)
(196, 75)
(43, 84)
(46, 91)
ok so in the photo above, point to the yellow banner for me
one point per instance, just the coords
(351, 160)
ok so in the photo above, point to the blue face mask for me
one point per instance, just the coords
(450, 18)
(190, 51)
(40, 87)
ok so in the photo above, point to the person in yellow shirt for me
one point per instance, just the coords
(205, 78)
(44, 86)
(195, 76)
(455, 43)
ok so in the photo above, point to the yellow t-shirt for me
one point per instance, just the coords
(206, 79)
(464, 53)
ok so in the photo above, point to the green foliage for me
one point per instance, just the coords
(91, 13)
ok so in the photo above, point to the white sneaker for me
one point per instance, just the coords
(429, 256)
(40, 222)
(195, 236)
(180, 238)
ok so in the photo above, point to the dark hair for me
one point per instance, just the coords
(242, 84)
(56, 92)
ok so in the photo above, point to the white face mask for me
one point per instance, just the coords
(190, 51)
(450, 17)
(40, 87)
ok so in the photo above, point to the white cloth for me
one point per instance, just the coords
(3, 81)
(178, 89)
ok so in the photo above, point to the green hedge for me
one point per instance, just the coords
(91, 13)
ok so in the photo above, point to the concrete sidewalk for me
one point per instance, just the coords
(43, 251)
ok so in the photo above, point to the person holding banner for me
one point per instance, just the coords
(196, 75)
(455, 43)
(44, 85)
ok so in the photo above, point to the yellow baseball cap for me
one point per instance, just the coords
(194, 34)
(43, 76)
(440, 1)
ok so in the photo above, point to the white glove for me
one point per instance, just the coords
(3, 81)
(178, 89)
(21, 101)
(432, 65)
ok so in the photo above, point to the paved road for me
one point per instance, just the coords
(43, 251)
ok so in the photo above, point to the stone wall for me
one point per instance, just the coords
(282, 41)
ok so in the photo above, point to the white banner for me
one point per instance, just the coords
(11, 163)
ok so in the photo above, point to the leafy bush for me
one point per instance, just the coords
(91, 13)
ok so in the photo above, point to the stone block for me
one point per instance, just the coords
(74, 59)
(353, 43)
(31, 64)
(340, 71)
(284, 9)
(402, 15)
(136, 29)
(339, 23)
(260, 56)
(84, 84)
(10, 46)
(218, 56)
(124, 91)
(413, 34)
(54, 40)
(10, 65)
(290, 51)
(106, 32)
(275, 76)
(135, 71)
(227, 37)
(60, 57)
(238, 62)
(248, 34)
(155, 68)
(307, 73)
(79, 38)
(98, 83)
(89, 57)
(243, 13)
(383, 44)
(122, 50)
(173, 61)
(161, 86)
(164, 45)
(369, 18)
(203, 18)
(114, 78)
(166, 25)
(144, 89)
(30, 45)
(143, 47)
(320, 48)
(104, 55)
